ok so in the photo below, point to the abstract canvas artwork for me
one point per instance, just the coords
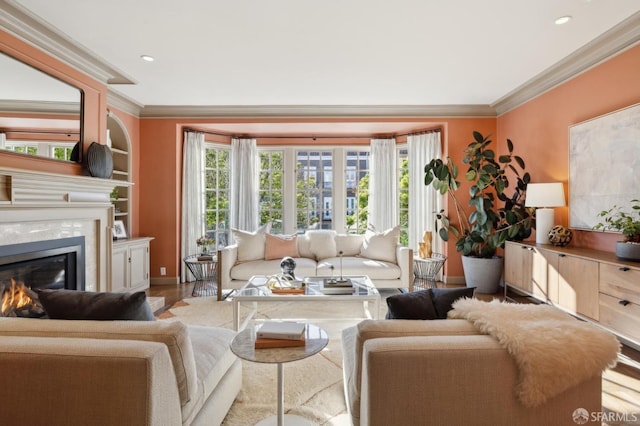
(604, 165)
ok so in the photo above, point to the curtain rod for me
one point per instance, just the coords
(419, 132)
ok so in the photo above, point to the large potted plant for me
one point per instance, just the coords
(616, 219)
(491, 216)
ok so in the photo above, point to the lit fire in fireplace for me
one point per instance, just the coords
(19, 300)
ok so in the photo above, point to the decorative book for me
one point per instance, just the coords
(287, 330)
(262, 343)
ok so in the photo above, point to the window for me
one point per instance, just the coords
(57, 150)
(22, 147)
(217, 173)
(310, 174)
(357, 188)
(61, 152)
(403, 194)
(271, 190)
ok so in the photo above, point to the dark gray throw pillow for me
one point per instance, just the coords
(86, 305)
(416, 305)
(443, 298)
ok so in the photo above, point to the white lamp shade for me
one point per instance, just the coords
(545, 195)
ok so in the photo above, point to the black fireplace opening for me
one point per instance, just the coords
(52, 264)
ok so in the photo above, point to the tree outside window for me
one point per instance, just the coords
(217, 174)
(271, 195)
(403, 195)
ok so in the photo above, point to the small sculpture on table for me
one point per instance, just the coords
(288, 267)
(424, 250)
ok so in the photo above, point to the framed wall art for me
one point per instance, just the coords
(604, 165)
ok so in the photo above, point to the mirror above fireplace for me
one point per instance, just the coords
(39, 114)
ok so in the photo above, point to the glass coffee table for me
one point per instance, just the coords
(311, 289)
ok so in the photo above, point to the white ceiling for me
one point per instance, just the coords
(331, 52)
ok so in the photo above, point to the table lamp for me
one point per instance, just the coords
(543, 196)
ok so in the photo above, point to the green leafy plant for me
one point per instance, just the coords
(484, 225)
(615, 219)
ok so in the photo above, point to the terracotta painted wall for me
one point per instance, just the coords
(540, 127)
(95, 107)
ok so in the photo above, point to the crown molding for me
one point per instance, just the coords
(28, 27)
(197, 111)
(123, 103)
(616, 40)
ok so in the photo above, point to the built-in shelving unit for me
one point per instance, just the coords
(120, 149)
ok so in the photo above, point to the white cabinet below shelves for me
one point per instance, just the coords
(130, 265)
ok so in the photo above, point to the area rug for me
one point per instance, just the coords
(313, 387)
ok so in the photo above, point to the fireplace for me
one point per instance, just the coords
(53, 264)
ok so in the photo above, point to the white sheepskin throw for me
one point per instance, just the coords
(553, 351)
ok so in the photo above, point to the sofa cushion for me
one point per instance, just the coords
(374, 269)
(322, 243)
(250, 244)
(279, 246)
(416, 305)
(381, 245)
(88, 305)
(213, 357)
(349, 244)
(173, 334)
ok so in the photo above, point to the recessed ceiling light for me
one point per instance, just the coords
(562, 20)
(147, 58)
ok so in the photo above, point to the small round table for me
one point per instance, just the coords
(204, 269)
(243, 345)
(425, 270)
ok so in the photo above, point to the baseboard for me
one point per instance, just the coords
(165, 281)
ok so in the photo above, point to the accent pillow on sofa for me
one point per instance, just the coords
(425, 304)
(279, 246)
(88, 305)
(322, 243)
(250, 244)
(416, 305)
(381, 245)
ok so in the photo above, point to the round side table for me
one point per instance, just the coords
(425, 270)
(205, 270)
(243, 345)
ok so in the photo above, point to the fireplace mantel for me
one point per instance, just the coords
(36, 206)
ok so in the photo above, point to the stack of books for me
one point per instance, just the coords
(280, 334)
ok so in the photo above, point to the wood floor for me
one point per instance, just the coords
(620, 385)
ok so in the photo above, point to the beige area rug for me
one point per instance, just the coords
(313, 387)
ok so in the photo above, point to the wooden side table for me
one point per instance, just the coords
(205, 271)
(243, 345)
(425, 270)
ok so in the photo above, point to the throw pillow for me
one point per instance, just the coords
(250, 244)
(416, 305)
(87, 305)
(322, 243)
(279, 246)
(443, 298)
(381, 245)
(349, 244)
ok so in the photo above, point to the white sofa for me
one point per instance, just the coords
(379, 256)
(67, 373)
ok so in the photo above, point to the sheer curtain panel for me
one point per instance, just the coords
(424, 201)
(244, 184)
(192, 196)
(383, 197)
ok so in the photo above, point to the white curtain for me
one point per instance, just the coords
(424, 201)
(192, 196)
(244, 208)
(3, 140)
(383, 196)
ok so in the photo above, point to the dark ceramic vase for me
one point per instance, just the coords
(99, 160)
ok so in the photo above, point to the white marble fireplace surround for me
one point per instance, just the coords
(38, 206)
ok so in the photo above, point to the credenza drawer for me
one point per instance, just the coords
(620, 282)
(620, 315)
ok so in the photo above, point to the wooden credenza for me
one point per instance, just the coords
(591, 284)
